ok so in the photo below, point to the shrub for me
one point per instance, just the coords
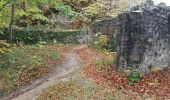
(103, 42)
(134, 77)
(112, 44)
(1, 93)
(100, 42)
(32, 36)
(4, 46)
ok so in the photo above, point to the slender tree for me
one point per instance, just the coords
(11, 20)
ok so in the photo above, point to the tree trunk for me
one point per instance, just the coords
(11, 22)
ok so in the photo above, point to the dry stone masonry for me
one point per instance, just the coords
(143, 36)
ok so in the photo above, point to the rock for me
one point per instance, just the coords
(127, 72)
(164, 16)
(155, 69)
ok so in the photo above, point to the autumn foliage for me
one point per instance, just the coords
(155, 84)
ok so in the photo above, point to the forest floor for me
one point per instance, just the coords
(78, 77)
(60, 73)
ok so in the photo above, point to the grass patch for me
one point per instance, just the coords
(80, 88)
(24, 64)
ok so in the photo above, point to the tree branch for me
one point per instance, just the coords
(3, 6)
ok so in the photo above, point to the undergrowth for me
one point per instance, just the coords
(5, 47)
(24, 64)
(104, 43)
(133, 78)
(99, 42)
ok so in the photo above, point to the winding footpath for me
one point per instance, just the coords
(61, 73)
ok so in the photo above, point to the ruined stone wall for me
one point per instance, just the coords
(155, 32)
(128, 41)
(105, 27)
(142, 36)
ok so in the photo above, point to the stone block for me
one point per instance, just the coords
(135, 15)
(123, 16)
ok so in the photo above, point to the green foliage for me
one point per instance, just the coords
(39, 17)
(79, 3)
(4, 46)
(31, 10)
(134, 77)
(65, 10)
(53, 55)
(93, 9)
(34, 10)
(20, 13)
(3, 43)
(99, 10)
(1, 93)
(18, 56)
(4, 18)
(112, 44)
(100, 42)
(35, 36)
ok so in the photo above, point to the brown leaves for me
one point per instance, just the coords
(28, 76)
(24, 65)
(154, 83)
(157, 83)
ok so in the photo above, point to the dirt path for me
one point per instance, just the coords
(59, 74)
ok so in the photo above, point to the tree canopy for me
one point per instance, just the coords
(31, 12)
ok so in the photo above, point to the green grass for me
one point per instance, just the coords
(24, 64)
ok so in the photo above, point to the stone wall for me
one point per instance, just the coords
(155, 32)
(82, 38)
(106, 27)
(143, 37)
(32, 36)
